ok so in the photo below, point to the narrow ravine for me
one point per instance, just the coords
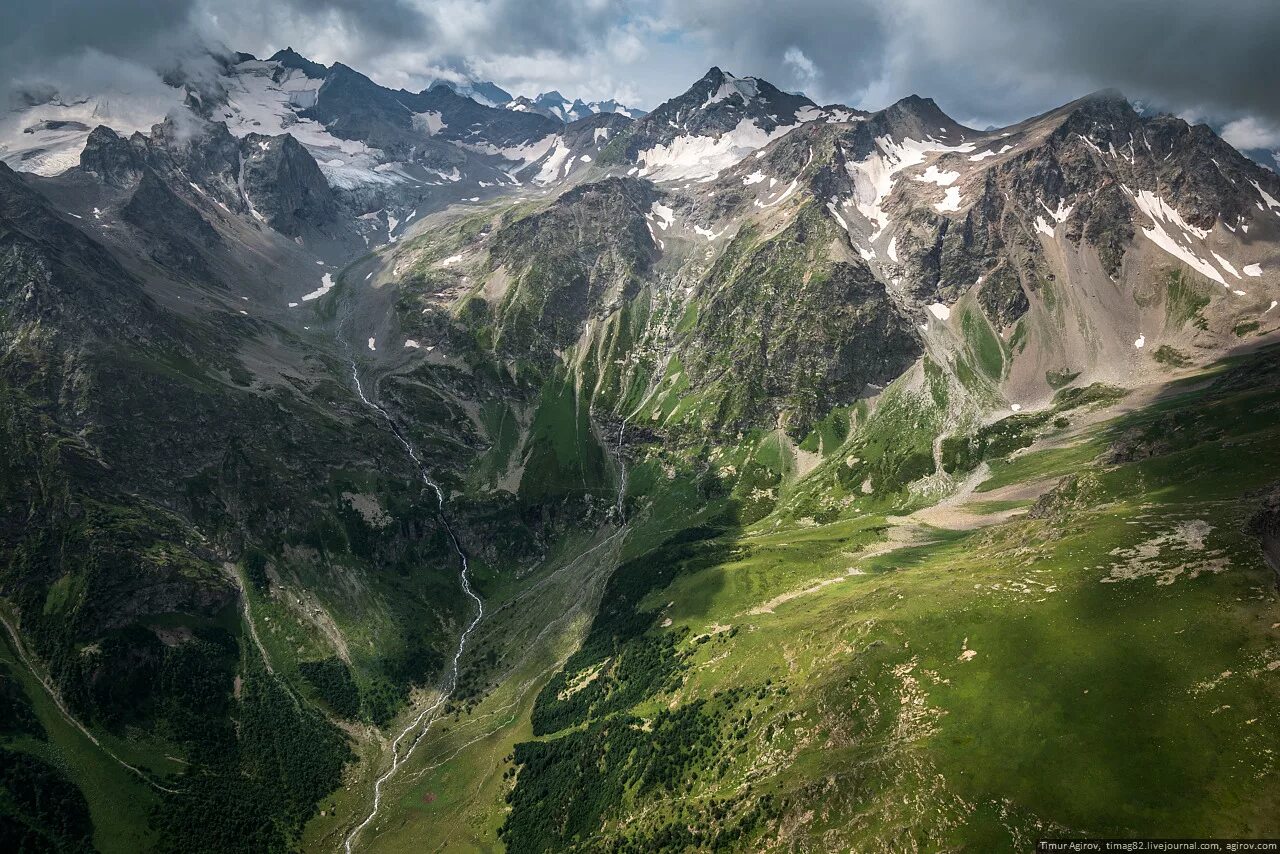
(418, 727)
(622, 476)
(413, 733)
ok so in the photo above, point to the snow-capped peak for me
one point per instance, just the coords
(554, 105)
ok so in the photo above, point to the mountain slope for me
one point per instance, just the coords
(782, 444)
(861, 319)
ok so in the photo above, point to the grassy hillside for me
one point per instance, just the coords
(1087, 643)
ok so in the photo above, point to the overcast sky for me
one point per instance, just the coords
(983, 61)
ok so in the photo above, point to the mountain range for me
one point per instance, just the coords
(389, 470)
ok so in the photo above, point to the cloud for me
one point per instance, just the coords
(1001, 60)
(984, 61)
(39, 39)
(804, 68)
(1252, 133)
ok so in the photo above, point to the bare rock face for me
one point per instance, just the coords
(176, 231)
(788, 333)
(286, 187)
(116, 161)
(579, 258)
(181, 169)
(464, 120)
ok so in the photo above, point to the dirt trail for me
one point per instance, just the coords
(21, 652)
(899, 536)
(963, 512)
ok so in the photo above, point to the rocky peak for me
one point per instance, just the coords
(1103, 117)
(201, 153)
(285, 186)
(1101, 140)
(54, 272)
(114, 159)
(719, 101)
(486, 92)
(747, 110)
(463, 119)
(481, 91)
(919, 118)
(290, 58)
(556, 106)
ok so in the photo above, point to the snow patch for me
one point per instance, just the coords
(1179, 243)
(430, 122)
(257, 102)
(1253, 270)
(940, 311)
(326, 285)
(704, 157)
(835, 213)
(47, 139)
(1266, 197)
(839, 115)
(1061, 212)
(744, 87)
(873, 176)
(1225, 264)
(1158, 209)
(936, 176)
(791, 188)
(522, 155)
(950, 202)
(559, 157)
(663, 215)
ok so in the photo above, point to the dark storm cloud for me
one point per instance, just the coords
(155, 31)
(842, 41)
(982, 60)
(1001, 59)
(556, 26)
(52, 28)
(1185, 51)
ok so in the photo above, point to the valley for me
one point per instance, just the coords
(834, 623)
(395, 471)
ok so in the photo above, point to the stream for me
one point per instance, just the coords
(400, 749)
